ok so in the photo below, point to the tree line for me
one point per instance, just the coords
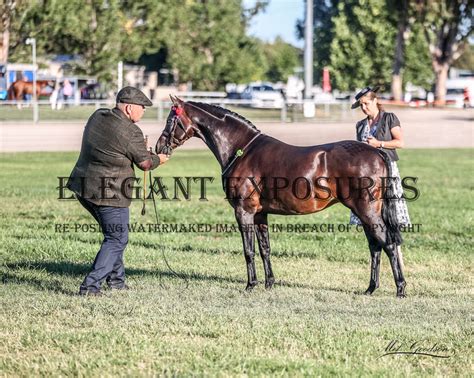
(206, 42)
(391, 42)
(377, 42)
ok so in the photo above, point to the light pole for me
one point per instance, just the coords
(32, 42)
(120, 75)
(309, 109)
(308, 51)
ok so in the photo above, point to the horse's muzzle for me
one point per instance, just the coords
(167, 150)
(163, 146)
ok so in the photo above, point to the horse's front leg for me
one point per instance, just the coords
(392, 253)
(246, 226)
(263, 237)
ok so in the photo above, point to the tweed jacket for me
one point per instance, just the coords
(104, 173)
(386, 123)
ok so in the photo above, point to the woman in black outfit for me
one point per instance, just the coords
(381, 130)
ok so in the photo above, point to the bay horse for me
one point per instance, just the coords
(308, 180)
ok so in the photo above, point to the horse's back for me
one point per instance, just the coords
(335, 155)
(350, 147)
(271, 157)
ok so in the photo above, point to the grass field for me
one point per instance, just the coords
(314, 322)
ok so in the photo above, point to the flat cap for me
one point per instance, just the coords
(131, 95)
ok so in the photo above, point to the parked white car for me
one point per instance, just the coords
(263, 96)
(460, 92)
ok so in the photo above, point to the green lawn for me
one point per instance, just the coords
(314, 322)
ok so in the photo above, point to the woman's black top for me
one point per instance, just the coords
(386, 122)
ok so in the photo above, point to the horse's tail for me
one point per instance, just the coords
(389, 208)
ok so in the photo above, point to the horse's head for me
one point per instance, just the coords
(179, 127)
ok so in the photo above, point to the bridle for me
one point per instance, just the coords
(170, 135)
(170, 130)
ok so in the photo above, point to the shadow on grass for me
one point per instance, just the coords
(236, 252)
(27, 273)
(22, 279)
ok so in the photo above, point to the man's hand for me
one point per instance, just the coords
(147, 164)
(163, 158)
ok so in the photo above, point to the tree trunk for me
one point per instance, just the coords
(447, 40)
(441, 72)
(397, 90)
(5, 41)
(399, 58)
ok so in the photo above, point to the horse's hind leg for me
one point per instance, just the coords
(392, 253)
(375, 252)
(246, 226)
(377, 229)
(261, 229)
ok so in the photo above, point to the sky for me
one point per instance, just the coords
(279, 19)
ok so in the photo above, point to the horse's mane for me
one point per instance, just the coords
(220, 112)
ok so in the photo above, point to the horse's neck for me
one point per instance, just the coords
(225, 138)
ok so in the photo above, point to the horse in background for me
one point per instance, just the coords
(20, 88)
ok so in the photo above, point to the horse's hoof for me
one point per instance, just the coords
(250, 287)
(401, 294)
(370, 290)
(401, 291)
(269, 284)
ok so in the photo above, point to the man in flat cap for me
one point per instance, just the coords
(103, 180)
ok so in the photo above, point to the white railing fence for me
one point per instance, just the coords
(291, 111)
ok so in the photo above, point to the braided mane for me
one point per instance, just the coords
(220, 112)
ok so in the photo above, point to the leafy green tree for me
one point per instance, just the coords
(379, 42)
(9, 9)
(411, 60)
(18, 24)
(362, 46)
(447, 25)
(466, 60)
(207, 43)
(324, 15)
(99, 33)
(417, 60)
(401, 9)
(282, 59)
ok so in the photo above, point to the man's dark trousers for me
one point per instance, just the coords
(108, 263)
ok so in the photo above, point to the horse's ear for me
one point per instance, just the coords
(174, 100)
(180, 102)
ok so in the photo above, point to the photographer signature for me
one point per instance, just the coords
(417, 348)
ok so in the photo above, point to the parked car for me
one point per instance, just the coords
(92, 91)
(460, 92)
(263, 96)
(455, 97)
